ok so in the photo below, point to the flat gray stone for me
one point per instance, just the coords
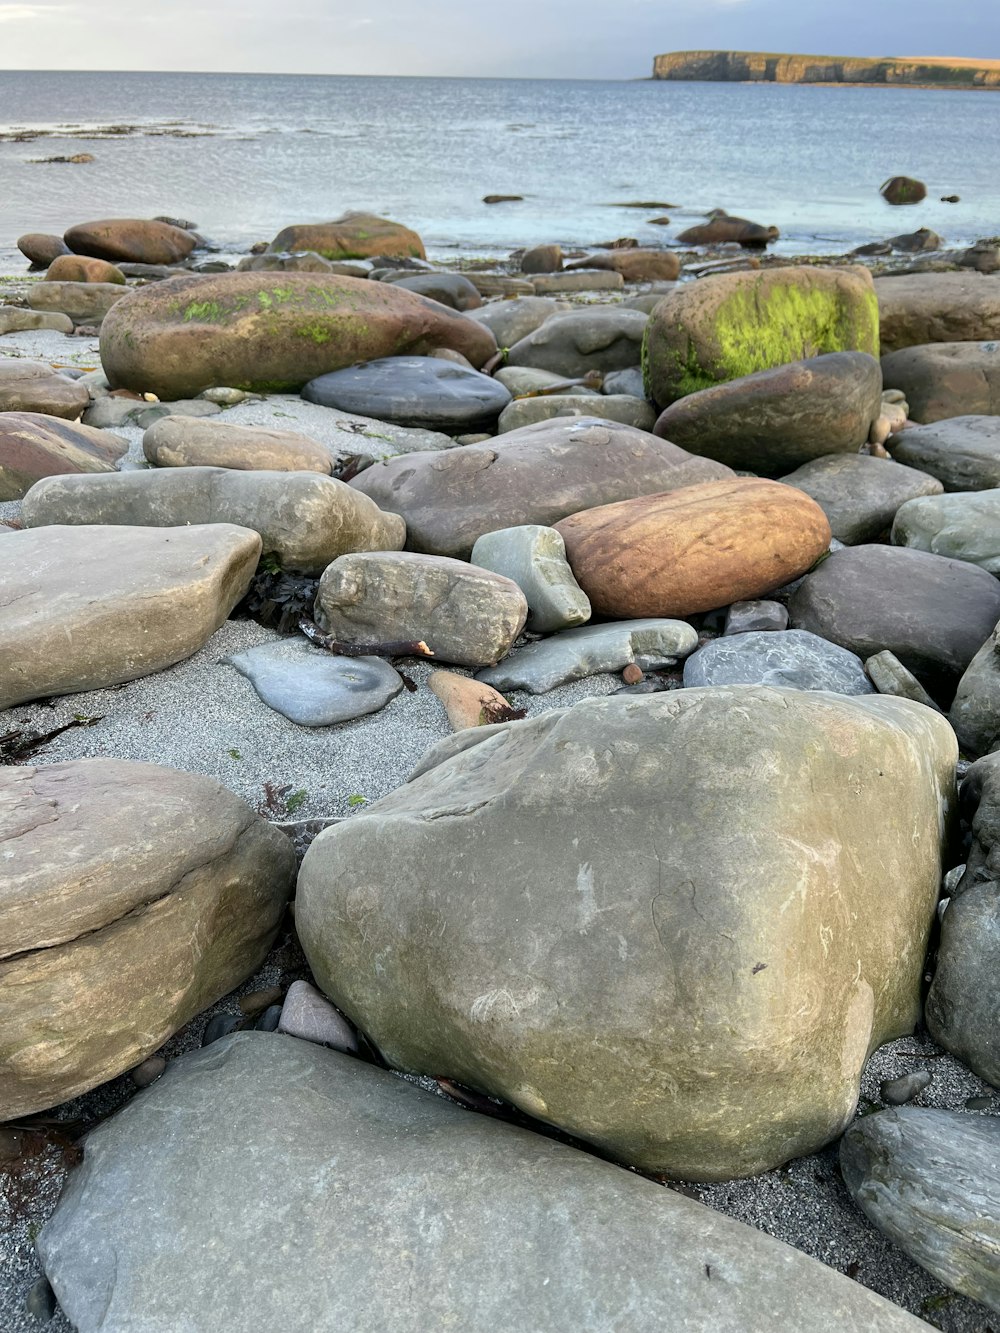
(399, 1213)
(962, 452)
(421, 391)
(963, 1004)
(860, 494)
(608, 407)
(889, 676)
(314, 688)
(511, 320)
(600, 338)
(526, 380)
(793, 658)
(590, 650)
(961, 526)
(930, 1180)
(534, 557)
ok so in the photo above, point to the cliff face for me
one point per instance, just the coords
(765, 67)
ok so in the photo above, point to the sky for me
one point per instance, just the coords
(603, 39)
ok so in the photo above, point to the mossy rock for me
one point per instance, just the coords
(722, 328)
(353, 236)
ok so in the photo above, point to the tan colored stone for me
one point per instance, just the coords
(135, 240)
(32, 386)
(917, 308)
(468, 703)
(34, 445)
(696, 549)
(352, 236)
(83, 302)
(635, 265)
(195, 442)
(81, 268)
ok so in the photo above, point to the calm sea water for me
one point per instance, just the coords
(243, 155)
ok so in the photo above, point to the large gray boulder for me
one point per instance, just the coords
(133, 896)
(919, 308)
(930, 1180)
(602, 916)
(537, 474)
(593, 338)
(962, 526)
(860, 494)
(962, 452)
(399, 1212)
(939, 380)
(306, 520)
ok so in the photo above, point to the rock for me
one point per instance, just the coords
(723, 229)
(889, 676)
(149, 1071)
(734, 324)
(271, 332)
(915, 242)
(15, 320)
(744, 617)
(955, 379)
(538, 474)
(305, 262)
(133, 897)
(84, 302)
(694, 550)
(930, 1181)
(40, 1301)
(32, 386)
(932, 613)
(962, 452)
(465, 615)
(523, 381)
(776, 419)
(351, 236)
(984, 257)
(451, 289)
(624, 381)
(502, 198)
(860, 495)
(223, 396)
(917, 308)
(512, 320)
(177, 441)
(595, 338)
(688, 976)
(314, 688)
(499, 284)
(899, 1091)
(150, 413)
(375, 1158)
(110, 413)
(902, 190)
(304, 519)
(583, 280)
(412, 391)
(591, 651)
(635, 265)
(975, 712)
(960, 526)
(82, 608)
(542, 259)
(468, 703)
(962, 1011)
(534, 557)
(621, 408)
(40, 249)
(133, 239)
(793, 658)
(310, 1016)
(33, 445)
(78, 268)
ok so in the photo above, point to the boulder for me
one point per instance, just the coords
(83, 302)
(619, 407)
(134, 239)
(724, 327)
(609, 916)
(194, 442)
(776, 419)
(933, 613)
(963, 1008)
(452, 289)
(465, 615)
(423, 391)
(510, 321)
(40, 248)
(32, 386)
(583, 280)
(694, 549)
(34, 445)
(542, 259)
(78, 268)
(975, 711)
(82, 608)
(793, 658)
(902, 190)
(15, 320)
(351, 236)
(962, 452)
(860, 494)
(963, 526)
(723, 229)
(305, 520)
(415, 1192)
(930, 1181)
(534, 557)
(538, 474)
(271, 331)
(634, 265)
(916, 308)
(939, 380)
(594, 338)
(133, 897)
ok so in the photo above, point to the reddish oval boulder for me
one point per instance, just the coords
(34, 445)
(353, 236)
(695, 549)
(133, 239)
(81, 268)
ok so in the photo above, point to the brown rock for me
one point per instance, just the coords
(135, 240)
(32, 386)
(196, 442)
(696, 549)
(352, 236)
(80, 268)
(34, 445)
(542, 259)
(903, 190)
(636, 265)
(942, 380)
(917, 308)
(86, 303)
(468, 703)
(41, 249)
(722, 229)
(632, 674)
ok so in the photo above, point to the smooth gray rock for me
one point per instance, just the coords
(950, 379)
(625, 381)
(962, 526)
(860, 494)
(981, 809)
(962, 452)
(930, 1180)
(526, 380)
(744, 617)
(83, 302)
(452, 289)
(899, 1091)
(107, 413)
(316, 688)
(599, 338)
(399, 1212)
(963, 1004)
(534, 557)
(15, 320)
(608, 407)
(510, 321)
(465, 615)
(310, 1016)
(33, 386)
(412, 391)
(793, 658)
(591, 650)
(889, 676)
(305, 519)
(975, 711)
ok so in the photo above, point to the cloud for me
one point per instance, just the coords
(18, 13)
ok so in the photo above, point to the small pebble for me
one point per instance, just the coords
(219, 1025)
(268, 1021)
(632, 674)
(309, 1015)
(149, 1071)
(223, 396)
(40, 1301)
(899, 1091)
(978, 1103)
(259, 1000)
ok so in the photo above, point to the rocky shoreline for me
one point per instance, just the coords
(599, 643)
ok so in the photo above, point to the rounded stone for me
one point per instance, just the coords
(412, 391)
(793, 658)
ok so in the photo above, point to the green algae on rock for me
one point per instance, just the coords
(271, 332)
(735, 324)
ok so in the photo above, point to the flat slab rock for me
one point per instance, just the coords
(315, 688)
(412, 391)
(391, 1203)
(35, 445)
(791, 657)
(962, 452)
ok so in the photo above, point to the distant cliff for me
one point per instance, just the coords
(767, 67)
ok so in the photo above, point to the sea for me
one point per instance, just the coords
(242, 155)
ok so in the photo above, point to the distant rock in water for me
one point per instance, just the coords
(721, 228)
(903, 190)
(764, 67)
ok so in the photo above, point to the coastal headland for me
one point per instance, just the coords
(771, 67)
